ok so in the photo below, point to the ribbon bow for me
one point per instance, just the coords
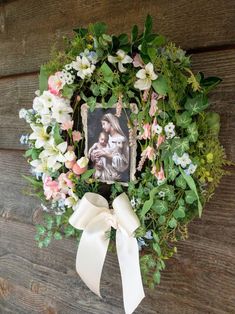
(94, 217)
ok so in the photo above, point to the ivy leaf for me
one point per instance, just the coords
(43, 79)
(95, 89)
(40, 229)
(190, 197)
(180, 182)
(160, 85)
(160, 207)
(179, 212)
(86, 175)
(180, 145)
(184, 119)
(57, 235)
(172, 223)
(69, 231)
(196, 104)
(91, 102)
(68, 91)
(192, 132)
(192, 186)
(161, 219)
(209, 83)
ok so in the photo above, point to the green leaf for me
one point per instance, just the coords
(157, 277)
(190, 197)
(46, 241)
(123, 39)
(112, 100)
(161, 219)
(95, 89)
(40, 229)
(69, 231)
(160, 85)
(173, 172)
(179, 212)
(209, 83)
(158, 41)
(213, 121)
(196, 104)
(183, 119)
(91, 102)
(180, 182)
(99, 28)
(68, 91)
(160, 206)
(86, 175)
(56, 134)
(157, 248)
(192, 186)
(192, 132)
(107, 73)
(57, 235)
(148, 25)
(134, 33)
(103, 89)
(58, 220)
(172, 223)
(149, 203)
(43, 79)
(33, 181)
(152, 54)
(180, 145)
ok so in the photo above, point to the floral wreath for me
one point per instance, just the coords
(179, 157)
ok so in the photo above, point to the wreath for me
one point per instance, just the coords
(178, 158)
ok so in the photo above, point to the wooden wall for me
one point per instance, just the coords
(201, 276)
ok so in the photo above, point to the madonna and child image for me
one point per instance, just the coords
(107, 145)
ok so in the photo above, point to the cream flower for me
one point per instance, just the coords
(122, 58)
(41, 166)
(72, 201)
(83, 67)
(40, 135)
(42, 103)
(146, 76)
(54, 153)
(61, 111)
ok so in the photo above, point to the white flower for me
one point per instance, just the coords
(83, 67)
(169, 127)
(68, 67)
(40, 135)
(170, 134)
(161, 194)
(83, 162)
(43, 103)
(191, 169)
(68, 77)
(46, 119)
(72, 201)
(157, 129)
(23, 113)
(40, 166)
(61, 111)
(53, 153)
(133, 202)
(146, 76)
(70, 156)
(121, 58)
(24, 139)
(184, 160)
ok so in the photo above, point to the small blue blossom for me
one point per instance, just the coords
(191, 169)
(90, 55)
(148, 235)
(24, 139)
(141, 243)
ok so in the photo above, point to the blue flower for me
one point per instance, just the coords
(191, 169)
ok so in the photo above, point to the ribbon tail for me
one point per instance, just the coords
(91, 254)
(128, 257)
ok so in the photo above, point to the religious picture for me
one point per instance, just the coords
(107, 144)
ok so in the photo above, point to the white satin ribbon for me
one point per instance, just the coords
(95, 219)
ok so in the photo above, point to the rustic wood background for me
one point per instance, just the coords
(201, 277)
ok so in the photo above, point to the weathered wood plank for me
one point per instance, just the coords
(14, 202)
(18, 92)
(29, 28)
(200, 271)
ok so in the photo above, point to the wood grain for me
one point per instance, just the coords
(28, 28)
(34, 279)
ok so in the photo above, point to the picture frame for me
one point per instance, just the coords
(111, 151)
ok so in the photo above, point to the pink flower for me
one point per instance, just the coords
(56, 83)
(119, 107)
(149, 152)
(51, 188)
(145, 95)
(77, 136)
(160, 140)
(69, 164)
(64, 182)
(137, 61)
(153, 104)
(147, 131)
(158, 174)
(67, 125)
(80, 166)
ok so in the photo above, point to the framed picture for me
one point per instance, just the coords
(107, 144)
